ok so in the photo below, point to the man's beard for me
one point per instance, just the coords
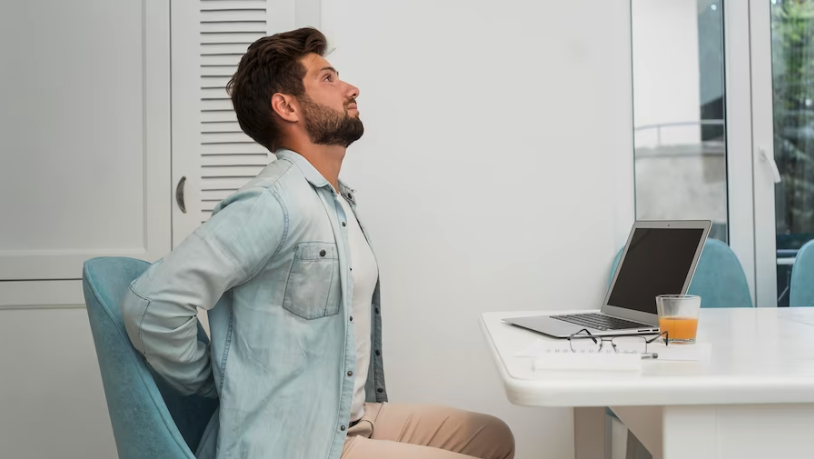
(326, 126)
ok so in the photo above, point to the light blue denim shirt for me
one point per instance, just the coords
(272, 268)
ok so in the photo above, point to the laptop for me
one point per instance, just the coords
(659, 257)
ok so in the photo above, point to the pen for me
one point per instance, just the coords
(652, 355)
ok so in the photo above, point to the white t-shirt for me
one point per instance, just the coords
(364, 274)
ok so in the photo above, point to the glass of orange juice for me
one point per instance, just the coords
(678, 316)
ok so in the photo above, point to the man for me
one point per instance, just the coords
(291, 286)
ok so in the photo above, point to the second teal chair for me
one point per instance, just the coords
(801, 287)
(719, 279)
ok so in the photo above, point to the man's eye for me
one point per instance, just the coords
(329, 77)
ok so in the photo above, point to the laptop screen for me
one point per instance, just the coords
(657, 263)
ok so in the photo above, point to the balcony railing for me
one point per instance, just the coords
(658, 127)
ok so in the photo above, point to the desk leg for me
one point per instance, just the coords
(591, 433)
(645, 422)
(738, 431)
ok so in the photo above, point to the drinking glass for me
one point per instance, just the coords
(678, 316)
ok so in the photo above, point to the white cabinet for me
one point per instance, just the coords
(84, 135)
(112, 111)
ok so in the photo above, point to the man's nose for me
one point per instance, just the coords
(353, 91)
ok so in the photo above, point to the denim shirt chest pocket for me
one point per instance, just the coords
(313, 289)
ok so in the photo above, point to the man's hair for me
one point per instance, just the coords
(271, 65)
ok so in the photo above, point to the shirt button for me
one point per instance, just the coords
(344, 224)
(350, 373)
(380, 390)
(350, 196)
(377, 310)
(322, 253)
(342, 428)
(351, 318)
(378, 352)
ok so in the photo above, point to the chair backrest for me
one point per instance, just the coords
(719, 278)
(150, 419)
(801, 286)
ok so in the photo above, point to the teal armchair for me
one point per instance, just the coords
(150, 419)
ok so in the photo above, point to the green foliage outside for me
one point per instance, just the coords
(793, 92)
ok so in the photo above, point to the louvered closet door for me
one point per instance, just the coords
(212, 157)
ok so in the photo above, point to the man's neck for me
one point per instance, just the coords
(326, 159)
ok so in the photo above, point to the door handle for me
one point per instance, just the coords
(179, 194)
(772, 164)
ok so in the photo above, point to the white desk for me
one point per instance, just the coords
(753, 399)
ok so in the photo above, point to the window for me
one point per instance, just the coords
(678, 110)
(724, 126)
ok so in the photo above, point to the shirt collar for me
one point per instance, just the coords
(312, 174)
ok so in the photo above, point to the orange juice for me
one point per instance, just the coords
(679, 328)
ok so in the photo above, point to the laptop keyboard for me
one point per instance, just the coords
(600, 321)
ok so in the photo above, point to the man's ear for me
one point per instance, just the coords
(283, 106)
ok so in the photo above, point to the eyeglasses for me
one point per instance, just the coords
(584, 341)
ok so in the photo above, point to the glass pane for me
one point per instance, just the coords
(678, 111)
(793, 109)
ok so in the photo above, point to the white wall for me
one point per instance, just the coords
(51, 400)
(495, 174)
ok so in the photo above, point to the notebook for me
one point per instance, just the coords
(558, 355)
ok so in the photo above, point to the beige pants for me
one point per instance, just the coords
(394, 431)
